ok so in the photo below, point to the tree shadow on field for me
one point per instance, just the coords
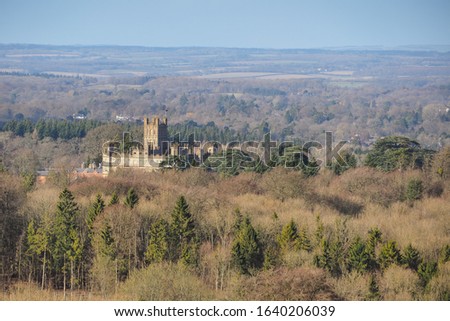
(338, 203)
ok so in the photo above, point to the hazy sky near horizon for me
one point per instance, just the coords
(226, 23)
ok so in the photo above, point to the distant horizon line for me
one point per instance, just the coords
(410, 47)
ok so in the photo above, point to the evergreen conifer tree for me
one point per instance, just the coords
(183, 225)
(132, 198)
(289, 236)
(389, 254)
(323, 260)
(183, 233)
(107, 267)
(114, 199)
(337, 258)
(358, 258)
(107, 244)
(190, 253)
(411, 258)
(303, 241)
(94, 210)
(158, 243)
(320, 231)
(67, 247)
(246, 251)
(426, 271)
(374, 238)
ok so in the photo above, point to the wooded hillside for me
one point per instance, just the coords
(194, 235)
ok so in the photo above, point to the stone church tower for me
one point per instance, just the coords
(156, 137)
(156, 147)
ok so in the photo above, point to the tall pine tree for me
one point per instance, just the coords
(289, 236)
(303, 242)
(374, 238)
(324, 259)
(358, 259)
(107, 242)
(95, 209)
(105, 268)
(320, 231)
(246, 250)
(158, 243)
(67, 248)
(183, 234)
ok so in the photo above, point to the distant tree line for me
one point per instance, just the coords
(36, 74)
(52, 128)
(258, 91)
(70, 128)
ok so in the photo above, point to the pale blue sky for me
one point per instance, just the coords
(226, 23)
